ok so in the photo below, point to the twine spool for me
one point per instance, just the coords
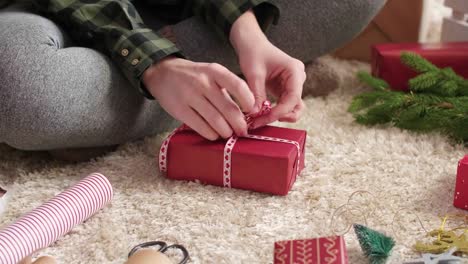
(41, 260)
(45, 260)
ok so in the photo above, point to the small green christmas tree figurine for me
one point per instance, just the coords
(437, 101)
(376, 246)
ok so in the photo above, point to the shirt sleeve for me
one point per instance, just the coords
(116, 28)
(222, 14)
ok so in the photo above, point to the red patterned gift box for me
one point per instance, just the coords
(324, 250)
(461, 189)
(268, 160)
(386, 62)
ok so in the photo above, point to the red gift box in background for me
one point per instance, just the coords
(386, 62)
(329, 250)
(257, 165)
(461, 189)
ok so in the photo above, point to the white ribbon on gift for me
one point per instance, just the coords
(229, 146)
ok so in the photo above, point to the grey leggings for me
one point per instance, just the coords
(54, 95)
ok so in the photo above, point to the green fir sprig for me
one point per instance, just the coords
(437, 101)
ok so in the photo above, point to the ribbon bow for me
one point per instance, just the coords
(229, 146)
(265, 109)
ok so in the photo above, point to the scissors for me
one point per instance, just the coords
(163, 247)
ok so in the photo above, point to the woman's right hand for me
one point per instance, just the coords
(198, 94)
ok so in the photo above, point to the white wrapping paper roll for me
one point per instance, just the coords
(45, 224)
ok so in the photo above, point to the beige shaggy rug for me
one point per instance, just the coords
(401, 170)
(400, 177)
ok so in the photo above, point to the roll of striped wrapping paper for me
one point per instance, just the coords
(45, 224)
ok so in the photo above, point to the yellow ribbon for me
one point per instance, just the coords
(446, 239)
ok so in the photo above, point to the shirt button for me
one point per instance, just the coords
(124, 52)
(135, 62)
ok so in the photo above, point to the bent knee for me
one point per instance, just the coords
(23, 120)
(357, 14)
(308, 29)
(18, 28)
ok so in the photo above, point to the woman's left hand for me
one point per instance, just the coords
(266, 67)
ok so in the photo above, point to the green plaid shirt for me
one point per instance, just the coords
(116, 28)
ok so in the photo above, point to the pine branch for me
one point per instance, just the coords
(417, 63)
(365, 100)
(438, 101)
(416, 112)
(450, 88)
(432, 79)
(424, 81)
(374, 82)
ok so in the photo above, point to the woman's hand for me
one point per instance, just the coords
(268, 68)
(197, 94)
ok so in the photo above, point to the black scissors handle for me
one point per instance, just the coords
(163, 247)
(181, 248)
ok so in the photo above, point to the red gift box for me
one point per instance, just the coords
(386, 63)
(256, 164)
(461, 189)
(329, 250)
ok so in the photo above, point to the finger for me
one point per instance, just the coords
(212, 116)
(234, 85)
(287, 101)
(290, 117)
(256, 83)
(230, 110)
(294, 115)
(285, 106)
(197, 123)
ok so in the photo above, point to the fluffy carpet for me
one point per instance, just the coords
(401, 178)
(401, 170)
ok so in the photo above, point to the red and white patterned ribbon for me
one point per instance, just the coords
(228, 148)
(165, 146)
(45, 224)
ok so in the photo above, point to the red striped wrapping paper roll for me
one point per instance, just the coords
(45, 224)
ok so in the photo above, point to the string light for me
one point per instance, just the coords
(366, 209)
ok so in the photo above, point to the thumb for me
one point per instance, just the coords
(256, 84)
